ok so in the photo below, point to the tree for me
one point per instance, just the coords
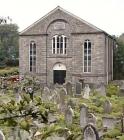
(8, 43)
(119, 59)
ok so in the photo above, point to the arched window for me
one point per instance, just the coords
(87, 56)
(59, 43)
(32, 56)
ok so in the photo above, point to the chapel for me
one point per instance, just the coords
(62, 47)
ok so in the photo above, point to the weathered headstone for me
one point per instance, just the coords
(107, 107)
(2, 137)
(62, 104)
(78, 88)
(46, 94)
(62, 94)
(109, 122)
(90, 133)
(92, 119)
(86, 92)
(69, 113)
(83, 115)
(101, 89)
(55, 98)
(69, 88)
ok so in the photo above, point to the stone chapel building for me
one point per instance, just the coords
(62, 47)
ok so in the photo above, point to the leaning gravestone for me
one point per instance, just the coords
(69, 88)
(83, 115)
(90, 133)
(69, 113)
(2, 137)
(86, 92)
(78, 88)
(107, 107)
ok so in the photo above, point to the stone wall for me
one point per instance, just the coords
(77, 32)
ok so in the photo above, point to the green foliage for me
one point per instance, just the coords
(8, 44)
(9, 71)
(121, 137)
(112, 133)
(119, 59)
(112, 90)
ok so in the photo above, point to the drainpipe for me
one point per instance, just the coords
(107, 59)
(46, 58)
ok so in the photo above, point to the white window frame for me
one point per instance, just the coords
(33, 56)
(87, 66)
(64, 49)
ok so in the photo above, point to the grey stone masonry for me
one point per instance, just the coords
(61, 22)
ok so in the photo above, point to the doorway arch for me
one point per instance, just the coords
(59, 73)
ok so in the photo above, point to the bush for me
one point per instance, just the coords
(9, 71)
(112, 90)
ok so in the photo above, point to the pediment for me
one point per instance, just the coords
(77, 24)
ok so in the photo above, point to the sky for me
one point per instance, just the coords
(107, 15)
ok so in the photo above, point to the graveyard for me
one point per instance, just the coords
(30, 110)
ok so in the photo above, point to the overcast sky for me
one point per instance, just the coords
(107, 15)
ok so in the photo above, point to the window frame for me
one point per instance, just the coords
(32, 56)
(87, 56)
(59, 45)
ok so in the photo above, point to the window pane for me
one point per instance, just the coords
(85, 51)
(89, 57)
(30, 68)
(85, 45)
(85, 69)
(85, 58)
(89, 51)
(89, 63)
(85, 63)
(89, 69)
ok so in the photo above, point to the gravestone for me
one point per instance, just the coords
(83, 115)
(55, 97)
(69, 88)
(46, 94)
(2, 137)
(109, 122)
(63, 94)
(107, 107)
(90, 133)
(92, 119)
(86, 92)
(62, 105)
(78, 88)
(69, 113)
(101, 89)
